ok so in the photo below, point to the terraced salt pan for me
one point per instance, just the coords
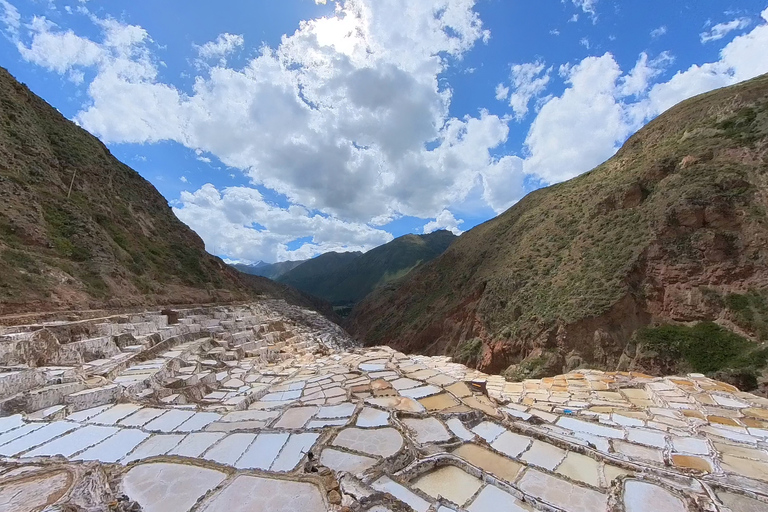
(370, 417)
(489, 431)
(511, 444)
(544, 455)
(416, 502)
(671, 425)
(74, 442)
(114, 414)
(561, 493)
(263, 452)
(254, 494)
(10, 423)
(16, 433)
(198, 421)
(421, 391)
(449, 482)
(493, 499)
(343, 461)
(154, 446)
(36, 437)
(194, 445)
(383, 442)
(230, 449)
(639, 495)
(165, 487)
(169, 421)
(337, 411)
(141, 417)
(428, 430)
(296, 417)
(293, 451)
(116, 447)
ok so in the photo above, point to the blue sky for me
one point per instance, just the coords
(281, 130)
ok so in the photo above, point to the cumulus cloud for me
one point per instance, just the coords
(348, 121)
(444, 220)
(59, 51)
(602, 105)
(503, 183)
(238, 222)
(219, 49)
(346, 116)
(721, 30)
(528, 81)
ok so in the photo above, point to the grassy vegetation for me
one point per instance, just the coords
(344, 279)
(743, 125)
(751, 312)
(705, 347)
(468, 353)
(528, 369)
(113, 230)
(572, 251)
(710, 349)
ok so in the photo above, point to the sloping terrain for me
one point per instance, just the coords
(671, 230)
(315, 276)
(269, 270)
(79, 229)
(344, 279)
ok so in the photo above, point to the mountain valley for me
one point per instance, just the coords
(656, 261)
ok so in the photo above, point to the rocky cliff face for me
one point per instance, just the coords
(80, 230)
(672, 230)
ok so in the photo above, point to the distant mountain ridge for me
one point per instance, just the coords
(81, 230)
(345, 278)
(656, 261)
(268, 270)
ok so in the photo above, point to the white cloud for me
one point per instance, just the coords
(11, 19)
(59, 51)
(184, 179)
(444, 220)
(346, 116)
(656, 33)
(601, 106)
(578, 130)
(528, 81)
(239, 223)
(502, 92)
(721, 30)
(587, 6)
(637, 81)
(223, 46)
(503, 183)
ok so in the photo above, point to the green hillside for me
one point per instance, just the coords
(673, 230)
(344, 279)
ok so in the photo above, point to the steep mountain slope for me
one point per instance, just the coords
(671, 230)
(349, 281)
(269, 270)
(79, 229)
(315, 276)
